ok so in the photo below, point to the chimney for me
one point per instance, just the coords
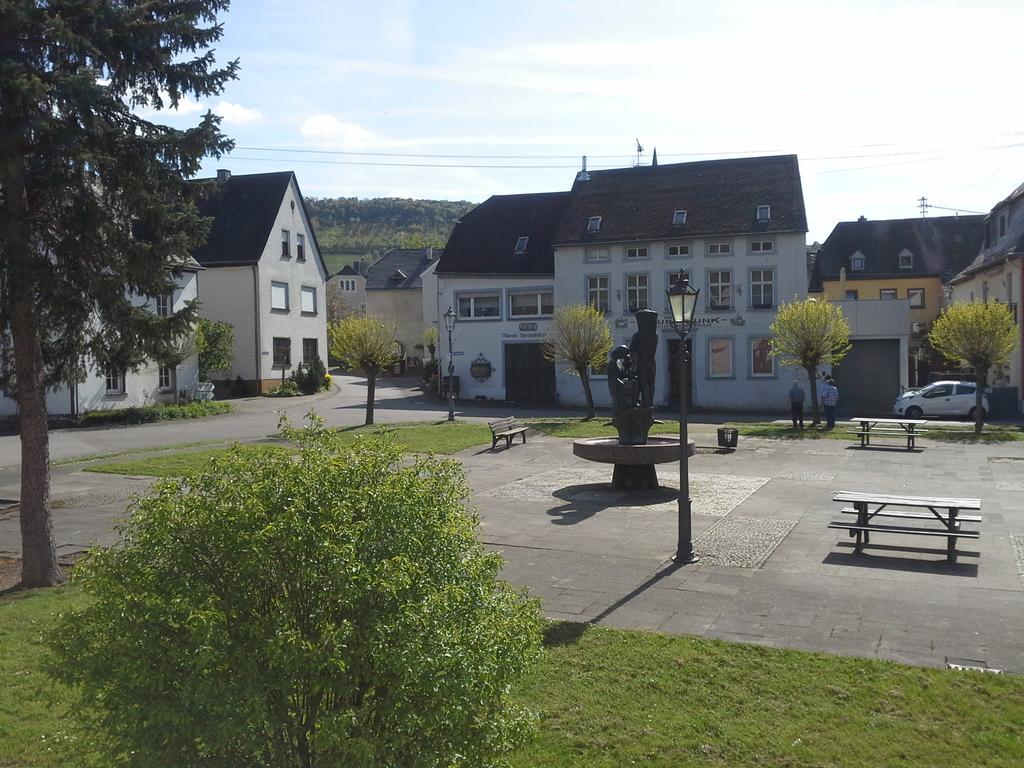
(223, 174)
(583, 175)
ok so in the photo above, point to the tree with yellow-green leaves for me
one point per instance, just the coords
(365, 344)
(979, 335)
(810, 333)
(579, 335)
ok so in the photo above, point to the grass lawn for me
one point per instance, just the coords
(441, 437)
(613, 698)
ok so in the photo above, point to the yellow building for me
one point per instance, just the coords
(908, 260)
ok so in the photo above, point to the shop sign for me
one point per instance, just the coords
(481, 369)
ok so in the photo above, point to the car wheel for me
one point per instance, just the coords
(913, 412)
(973, 414)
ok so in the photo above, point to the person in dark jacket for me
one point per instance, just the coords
(796, 404)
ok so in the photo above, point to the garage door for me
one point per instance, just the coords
(529, 378)
(869, 378)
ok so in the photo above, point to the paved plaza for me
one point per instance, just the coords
(770, 572)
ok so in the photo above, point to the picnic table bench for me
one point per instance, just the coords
(868, 506)
(506, 428)
(886, 427)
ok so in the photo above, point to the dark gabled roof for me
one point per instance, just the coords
(244, 209)
(347, 270)
(720, 197)
(1009, 248)
(941, 247)
(400, 269)
(484, 241)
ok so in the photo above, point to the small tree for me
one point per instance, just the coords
(365, 344)
(580, 336)
(810, 333)
(175, 352)
(215, 343)
(335, 610)
(338, 307)
(976, 334)
(429, 338)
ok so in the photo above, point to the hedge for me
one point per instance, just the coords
(151, 413)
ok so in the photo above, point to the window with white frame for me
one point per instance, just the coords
(762, 362)
(286, 244)
(597, 254)
(114, 380)
(521, 244)
(164, 378)
(857, 262)
(163, 305)
(764, 213)
(531, 303)
(762, 246)
(906, 260)
(480, 306)
(720, 289)
(678, 250)
(678, 218)
(593, 224)
(762, 288)
(887, 293)
(722, 248)
(597, 292)
(720, 358)
(300, 247)
(308, 300)
(636, 292)
(279, 296)
(636, 253)
(916, 296)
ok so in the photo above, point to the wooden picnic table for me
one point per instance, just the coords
(947, 510)
(874, 425)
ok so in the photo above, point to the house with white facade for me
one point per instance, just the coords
(497, 274)
(264, 275)
(105, 388)
(350, 285)
(394, 292)
(737, 227)
(997, 274)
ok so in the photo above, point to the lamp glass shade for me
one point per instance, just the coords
(449, 320)
(682, 299)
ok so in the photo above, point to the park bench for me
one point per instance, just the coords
(867, 506)
(506, 428)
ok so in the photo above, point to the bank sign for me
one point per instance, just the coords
(706, 321)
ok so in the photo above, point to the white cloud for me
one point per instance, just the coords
(329, 129)
(235, 114)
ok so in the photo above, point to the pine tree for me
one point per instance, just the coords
(92, 207)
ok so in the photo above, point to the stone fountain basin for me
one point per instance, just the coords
(658, 450)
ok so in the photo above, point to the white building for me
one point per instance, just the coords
(264, 275)
(351, 287)
(394, 292)
(107, 388)
(997, 274)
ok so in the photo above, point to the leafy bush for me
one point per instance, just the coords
(287, 388)
(310, 378)
(430, 371)
(335, 610)
(150, 413)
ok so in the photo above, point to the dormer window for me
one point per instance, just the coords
(593, 225)
(764, 213)
(1002, 224)
(857, 262)
(521, 245)
(906, 259)
(678, 218)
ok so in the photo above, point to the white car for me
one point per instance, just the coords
(941, 398)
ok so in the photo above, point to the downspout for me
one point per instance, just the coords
(1020, 326)
(256, 305)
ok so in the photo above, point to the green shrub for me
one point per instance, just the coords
(334, 609)
(287, 388)
(311, 378)
(150, 413)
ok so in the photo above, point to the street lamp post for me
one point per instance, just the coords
(682, 299)
(449, 325)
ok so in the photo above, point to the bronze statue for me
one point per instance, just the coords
(643, 347)
(631, 373)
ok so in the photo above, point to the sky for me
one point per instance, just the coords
(883, 102)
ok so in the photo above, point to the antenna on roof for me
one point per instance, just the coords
(583, 175)
(639, 152)
(923, 205)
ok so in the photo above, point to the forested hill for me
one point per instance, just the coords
(349, 229)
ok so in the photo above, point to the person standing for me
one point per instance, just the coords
(830, 400)
(796, 404)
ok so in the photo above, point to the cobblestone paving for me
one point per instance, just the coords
(712, 494)
(807, 477)
(742, 542)
(1017, 540)
(1009, 486)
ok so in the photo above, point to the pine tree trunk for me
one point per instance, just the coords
(585, 378)
(813, 378)
(39, 556)
(371, 386)
(981, 378)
